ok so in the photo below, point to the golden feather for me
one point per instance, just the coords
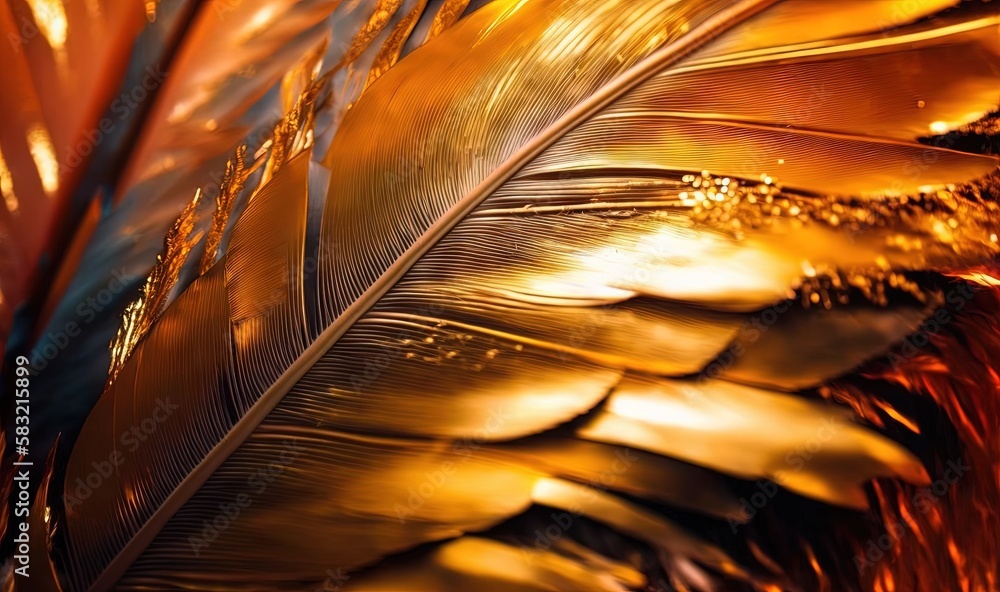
(557, 233)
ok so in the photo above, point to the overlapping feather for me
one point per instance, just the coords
(61, 66)
(225, 73)
(518, 273)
